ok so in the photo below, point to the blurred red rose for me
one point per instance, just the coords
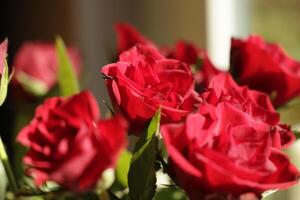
(3, 50)
(231, 146)
(69, 144)
(36, 66)
(204, 70)
(143, 80)
(265, 67)
(128, 36)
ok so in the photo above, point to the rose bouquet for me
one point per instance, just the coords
(178, 127)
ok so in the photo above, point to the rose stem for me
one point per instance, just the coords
(7, 168)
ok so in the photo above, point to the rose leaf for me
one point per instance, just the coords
(67, 80)
(142, 171)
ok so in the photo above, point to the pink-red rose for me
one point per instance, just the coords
(231, 146)
(204, 70)
(265, 67)
(143, 80)
(3, 50)
(69, 143)
(36, 66)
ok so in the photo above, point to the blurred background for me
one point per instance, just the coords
(89, 24)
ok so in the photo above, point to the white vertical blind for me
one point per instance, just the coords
(224, 19)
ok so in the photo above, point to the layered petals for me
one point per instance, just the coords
(265, 67)
(69, 144)
(228, 147)
(143, 80)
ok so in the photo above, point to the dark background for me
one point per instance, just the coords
(88, 25)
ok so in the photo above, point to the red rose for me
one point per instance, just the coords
(256, 104)
(143, 80)
(36, 66)
(3, 49)
(128, 36)
(231, 146)
(69, 144)
(265, 67)
(185, 52)
(198, 59)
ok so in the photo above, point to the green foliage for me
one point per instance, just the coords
(142, 172)
(297, 134)
(67, 80)
(4, 83)
(7, 168)
(173, 193)
(3, 182)
(122, 168)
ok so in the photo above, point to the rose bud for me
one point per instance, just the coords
(142, 81)
(36, 66)
(265, 67)
(232, 146)
(69, 143)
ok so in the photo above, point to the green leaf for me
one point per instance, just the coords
(4, 83)
(67, 80)
(122, 168)
(141, 175)
(297, 134)
(7, 167)
(3, 182)
(173, 193)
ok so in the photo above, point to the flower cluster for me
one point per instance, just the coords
(223, 136)
(231, 145)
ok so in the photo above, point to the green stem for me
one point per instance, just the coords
(7, 168)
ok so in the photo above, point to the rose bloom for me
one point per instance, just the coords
(69, 143)
(143, 80)
(36, 66)
(3, 50)
(265, 67)
(197, 58)
(231, 146)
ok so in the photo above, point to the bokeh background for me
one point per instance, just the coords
(88, 24)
